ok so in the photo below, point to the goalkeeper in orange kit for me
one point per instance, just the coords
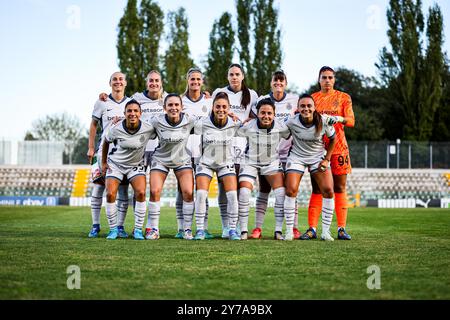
(338, 105)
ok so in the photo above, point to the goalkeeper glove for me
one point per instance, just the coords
(335, 119)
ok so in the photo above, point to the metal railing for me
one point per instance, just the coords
(400, 154)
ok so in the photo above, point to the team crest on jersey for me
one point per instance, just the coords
(142, 138)
(204, 109)
(289, 106)
(335, 103)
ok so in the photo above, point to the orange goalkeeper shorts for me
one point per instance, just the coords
(340, 164)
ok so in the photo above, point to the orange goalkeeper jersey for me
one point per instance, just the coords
(336, 103)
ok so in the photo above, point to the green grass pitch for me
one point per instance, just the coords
(410, 246)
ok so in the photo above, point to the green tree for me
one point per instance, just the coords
(129, 48)
(152, 20)
(58, 127)
(441, 127)
(412, 74)
(268, 55)
(220, 54)
(177, 60)
(244, 12)
(79, 151)
(138, 42)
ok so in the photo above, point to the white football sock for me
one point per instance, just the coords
(279, 208)
(96, 202)
(232, 208)
(154, 209)
(327, 213)
(223, 205)
(139, 214)
(111, 214)
(179, 210)
(261, 208)
(188, 212)
(122, 204)
(200, 208)
(244, 207)
(289, 207)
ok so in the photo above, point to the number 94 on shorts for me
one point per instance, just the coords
(340, 164)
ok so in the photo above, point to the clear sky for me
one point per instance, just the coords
(57, 55)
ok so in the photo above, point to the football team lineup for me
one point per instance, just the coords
(198, 135)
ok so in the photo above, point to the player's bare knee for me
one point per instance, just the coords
(327, 193)
(290, 192)
(188, 196)
(155, 192)
(140, 195)
(110, 196)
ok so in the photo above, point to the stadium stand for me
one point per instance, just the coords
(73, 181)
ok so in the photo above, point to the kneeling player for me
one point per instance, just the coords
(261, 158)
(126, 159)
(308, 129)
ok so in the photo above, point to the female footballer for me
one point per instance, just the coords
(308, 129)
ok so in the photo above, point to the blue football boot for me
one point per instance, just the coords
(94, 231)
(113, 234)
(137, 234)
(122, 233)
(342, 235)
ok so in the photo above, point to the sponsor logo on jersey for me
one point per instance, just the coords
(217, 141)
(152, 110)
(282, 115)
(113, 118)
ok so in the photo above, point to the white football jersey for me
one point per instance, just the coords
(217, 142)
(128, 148)
(199, 108)
(150, 108)
(242, 112)
(262, 144)
(105, 112)
(284, 108)
(172, 151)
(306, 145)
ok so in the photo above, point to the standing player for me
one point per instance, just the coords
(285, 106)
(105, 112)
(338, 105)
(217, 132)
(151, 101)
(126, 159)
(263, 135)
(308, 129)
(242, 100)
(173, 129)
(196, 104)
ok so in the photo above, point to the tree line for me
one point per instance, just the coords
(409, 99)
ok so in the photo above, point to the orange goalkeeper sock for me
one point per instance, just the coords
(314, 210)
(340, 205)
